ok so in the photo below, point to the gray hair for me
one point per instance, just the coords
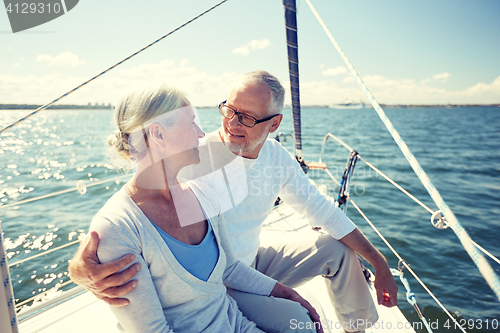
(138, 109)
(274, 85)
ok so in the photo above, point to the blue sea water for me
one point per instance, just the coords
(459, 148)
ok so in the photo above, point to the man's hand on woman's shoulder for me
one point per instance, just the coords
(102, 280)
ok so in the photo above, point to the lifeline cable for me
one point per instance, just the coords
(337, 183)
(399, 187)
(483, 266)
(43, 107)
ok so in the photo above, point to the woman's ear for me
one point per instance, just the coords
(156, 134)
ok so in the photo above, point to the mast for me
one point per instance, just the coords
(293, 69)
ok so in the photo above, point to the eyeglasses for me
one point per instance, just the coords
(243, 118)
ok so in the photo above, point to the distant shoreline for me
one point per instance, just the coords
(405, 106)
(55, 107)
(110, 107)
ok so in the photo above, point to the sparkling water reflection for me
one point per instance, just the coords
(459, 149)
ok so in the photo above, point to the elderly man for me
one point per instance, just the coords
(252, 111)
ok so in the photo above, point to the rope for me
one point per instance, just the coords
(6, 285)
(484, 267)
(61, 192)
(399, 187)
(110, 68)
(487, 253)
(336, 182)
(405, 264)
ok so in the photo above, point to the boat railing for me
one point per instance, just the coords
(283, 136)
(484, 267)
(437, 221)
(52, 293)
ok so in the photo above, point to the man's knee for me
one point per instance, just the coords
(328, 244)
(334, 254)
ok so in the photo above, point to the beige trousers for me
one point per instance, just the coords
(295, 259)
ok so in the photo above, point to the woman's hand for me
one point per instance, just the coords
(282, 291)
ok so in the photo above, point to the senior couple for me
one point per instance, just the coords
(180, 240)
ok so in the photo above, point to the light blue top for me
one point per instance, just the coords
(199, 260)
(168, 298)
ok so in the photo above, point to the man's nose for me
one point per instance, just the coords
(233, 122)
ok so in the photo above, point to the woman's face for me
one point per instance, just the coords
(182, 139)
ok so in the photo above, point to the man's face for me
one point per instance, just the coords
(253, 99)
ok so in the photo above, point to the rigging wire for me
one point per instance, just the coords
(399, 187)
(57, 286)
(402, 261)
(61, 192)
(406, 265)
(484, 267)
(43, 107)
(44, 253)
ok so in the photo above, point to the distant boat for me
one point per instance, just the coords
(348, 106)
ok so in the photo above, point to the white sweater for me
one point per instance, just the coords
(248, 188)
(168, 298)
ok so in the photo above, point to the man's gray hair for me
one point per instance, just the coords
(274, 85)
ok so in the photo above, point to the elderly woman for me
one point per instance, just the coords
(173, 227)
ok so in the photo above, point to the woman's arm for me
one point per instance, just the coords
(145, 312)
(107, 282)
(241, 277)
(237, 275)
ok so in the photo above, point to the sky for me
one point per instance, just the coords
(407, 52)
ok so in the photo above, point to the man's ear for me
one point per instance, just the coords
(276, 123)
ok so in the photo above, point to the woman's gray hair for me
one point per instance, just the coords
(274, 85)
(136, 111)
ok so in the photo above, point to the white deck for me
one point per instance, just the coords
(81, 312)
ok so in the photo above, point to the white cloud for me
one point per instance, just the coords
(348, 79)
(208, 89)
(65, 59)
(18, 63)
(484, 89)
(397, 91)
(243, 50)
(252, 46)
(441, 76)
(202, 88)
(334, 71)
(259, 44)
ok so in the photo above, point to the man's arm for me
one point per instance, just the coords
(102, 280)
(385, 285)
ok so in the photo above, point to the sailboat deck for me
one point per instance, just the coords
(80, 311)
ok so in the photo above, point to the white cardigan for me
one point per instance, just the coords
(168, 298)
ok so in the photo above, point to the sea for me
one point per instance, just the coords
(459, 148)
